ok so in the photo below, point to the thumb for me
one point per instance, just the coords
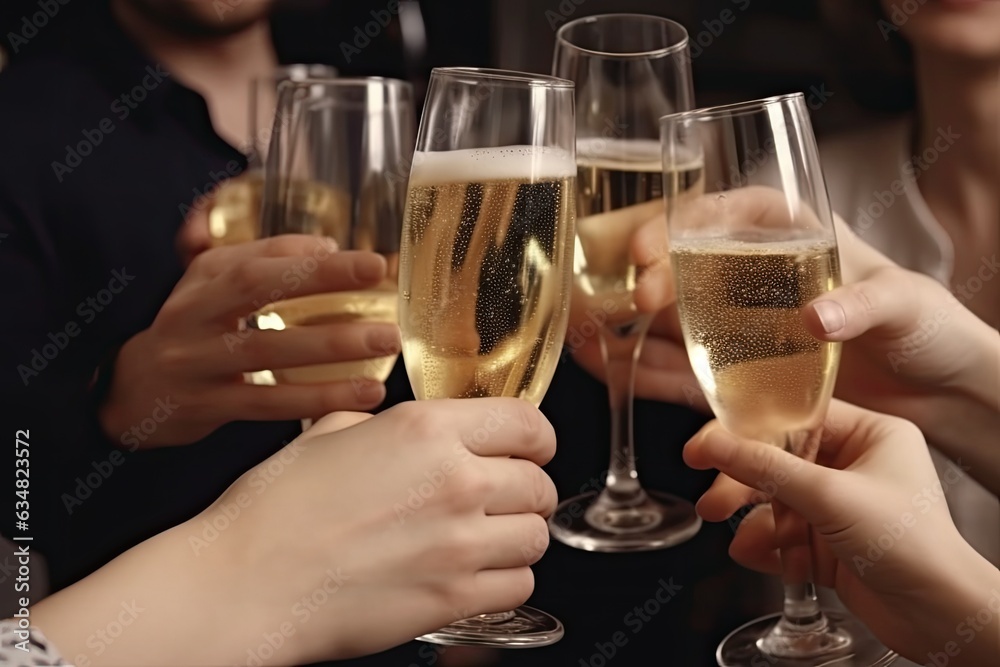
(889, 300)
(758, 465)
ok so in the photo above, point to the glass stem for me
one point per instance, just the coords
(803, 631)
(801, 607)
(622, 487)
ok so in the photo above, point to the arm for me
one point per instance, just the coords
(238, 580)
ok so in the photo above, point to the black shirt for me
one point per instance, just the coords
(100, 154)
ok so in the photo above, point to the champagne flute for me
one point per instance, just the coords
(630, 70)
(337, 167)
(486, 262)
(235, 212)
(746, 258)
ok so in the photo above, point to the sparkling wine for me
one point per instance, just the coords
(485, 268)
(375, 305)
(620, 188)
(311, 208)
(763, 374)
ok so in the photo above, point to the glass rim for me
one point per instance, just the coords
(624, 55)
(348, 82)
(527, 79)
(729, 110)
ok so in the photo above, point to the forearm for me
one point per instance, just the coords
(152, 605)
(961, 622)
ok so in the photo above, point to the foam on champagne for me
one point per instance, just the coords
(476, 165)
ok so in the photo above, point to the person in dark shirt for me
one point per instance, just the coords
(112, 351)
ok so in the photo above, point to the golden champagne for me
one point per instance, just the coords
(235, 212)
(619, 189)
(312, 208)
(378, 304)
(485, 271)
(763, 374)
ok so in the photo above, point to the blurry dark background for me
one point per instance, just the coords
(767, 46)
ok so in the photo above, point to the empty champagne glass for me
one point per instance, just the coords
(337, 167)
(630, 70)
(746, 258)
(486, 262)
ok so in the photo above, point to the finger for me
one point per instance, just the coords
(754, 546)
(664, 354)
(305, 346)
(756, 464)
(890, 299)
(336, 421)
(194, 237)
(512, 540)
(217, 261)
(655, 284)
(248, 286)
(725, 497)
(289, 401)
(498, 427)
(519, 487)
(495, 591)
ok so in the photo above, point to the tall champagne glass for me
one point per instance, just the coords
(746, 258)
(630, 70)
(337, 167)
(486, 262)
(235, 211)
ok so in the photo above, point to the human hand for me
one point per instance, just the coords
(363, 533)
(881, 533)
(188, 366)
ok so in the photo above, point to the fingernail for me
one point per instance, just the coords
(331, 243)
(831, 315)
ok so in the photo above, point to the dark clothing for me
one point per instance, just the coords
(92, 190)
(99, 152)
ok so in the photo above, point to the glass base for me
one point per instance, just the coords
(525, 627)
(848, 643)
(657, 521)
